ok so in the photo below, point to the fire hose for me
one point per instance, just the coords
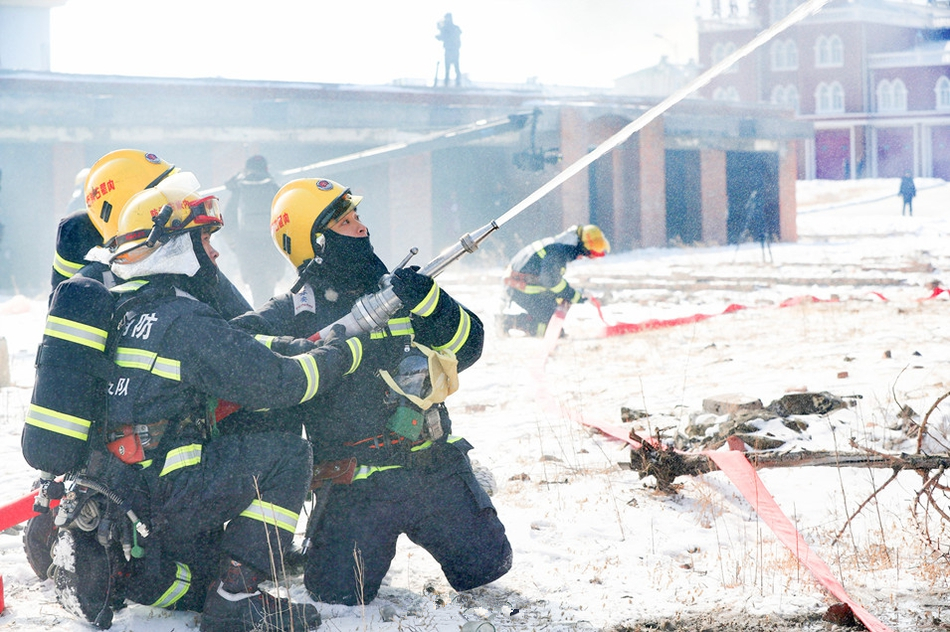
(373, 310)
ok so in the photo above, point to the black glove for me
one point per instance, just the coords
(410, 286)
(290, 346)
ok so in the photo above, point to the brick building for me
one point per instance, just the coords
(873, 76)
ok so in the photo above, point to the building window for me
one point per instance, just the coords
(784, 55)
(829, 98)
(786, 96)
(780, 8)
(720, 51)
(891, 96)
(726, 94)
(829, 52)
(942, 90)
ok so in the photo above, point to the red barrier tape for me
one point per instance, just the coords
(733, 464)
(619, 329)
(20, 510)
(736, 466)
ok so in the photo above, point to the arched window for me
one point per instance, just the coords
(829, 52)
(786, 95)
(720, 51)
(791, 55)
(784, 55)
(837, 50)
(829, 98)
(891, 96)
(942, 91)
(780, 8)
(726, 94)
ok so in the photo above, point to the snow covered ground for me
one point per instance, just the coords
(597, 547)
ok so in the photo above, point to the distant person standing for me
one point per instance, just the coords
(451, 37)
(907, 191)
(756, 225)
(252, 191)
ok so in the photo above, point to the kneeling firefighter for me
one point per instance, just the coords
(534, 279)
(166, 485)
(80, 253)
(386, 460)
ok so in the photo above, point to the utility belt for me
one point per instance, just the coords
(134, 443)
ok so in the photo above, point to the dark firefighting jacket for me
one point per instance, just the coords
(175, 357)
(351, 421)
(539, 267)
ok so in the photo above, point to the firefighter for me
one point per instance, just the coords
(107, 186)
(109, 183)
(384, 444)
(175, 359)
(534, 279)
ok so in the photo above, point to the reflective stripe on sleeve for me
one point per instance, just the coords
(461, 333)
(131, 358)
(178, 589)
(267, 341)
(185, 456)
(427, 305)
(309, 365)
(75, 331)
(65, 267)
(60, 423)
(356, 352)
(397, 327)
(272, 514)
(560, 286)
(145, 360)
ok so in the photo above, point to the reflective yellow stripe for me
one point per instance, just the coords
(185, 456)
(132, 358)
(129, 286)
(539, 249)
(399, 327)
(533, 289)
(365, 471)
(75, 331)
(356, 351)
(60, 423)
(177, 590)
(427, 305)
(272, 514)
(267, 341)
(65, 267)
(461, 333)
(560, 286)
(167, 368)
(309, 365)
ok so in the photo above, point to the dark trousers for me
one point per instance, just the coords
(442, 509)
(539, 306)
(252, 483)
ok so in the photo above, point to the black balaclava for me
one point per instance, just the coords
(350, 268)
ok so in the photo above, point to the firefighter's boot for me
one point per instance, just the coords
(236, 604)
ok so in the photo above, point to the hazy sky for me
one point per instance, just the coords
(559, 42)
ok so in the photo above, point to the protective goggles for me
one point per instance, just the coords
(202, 212)
(336, 209)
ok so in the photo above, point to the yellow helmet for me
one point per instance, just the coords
(593, 240)
(152, 216)
(304, 208)
(116, 177)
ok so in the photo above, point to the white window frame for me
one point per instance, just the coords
(829, 98)
(942, 94)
